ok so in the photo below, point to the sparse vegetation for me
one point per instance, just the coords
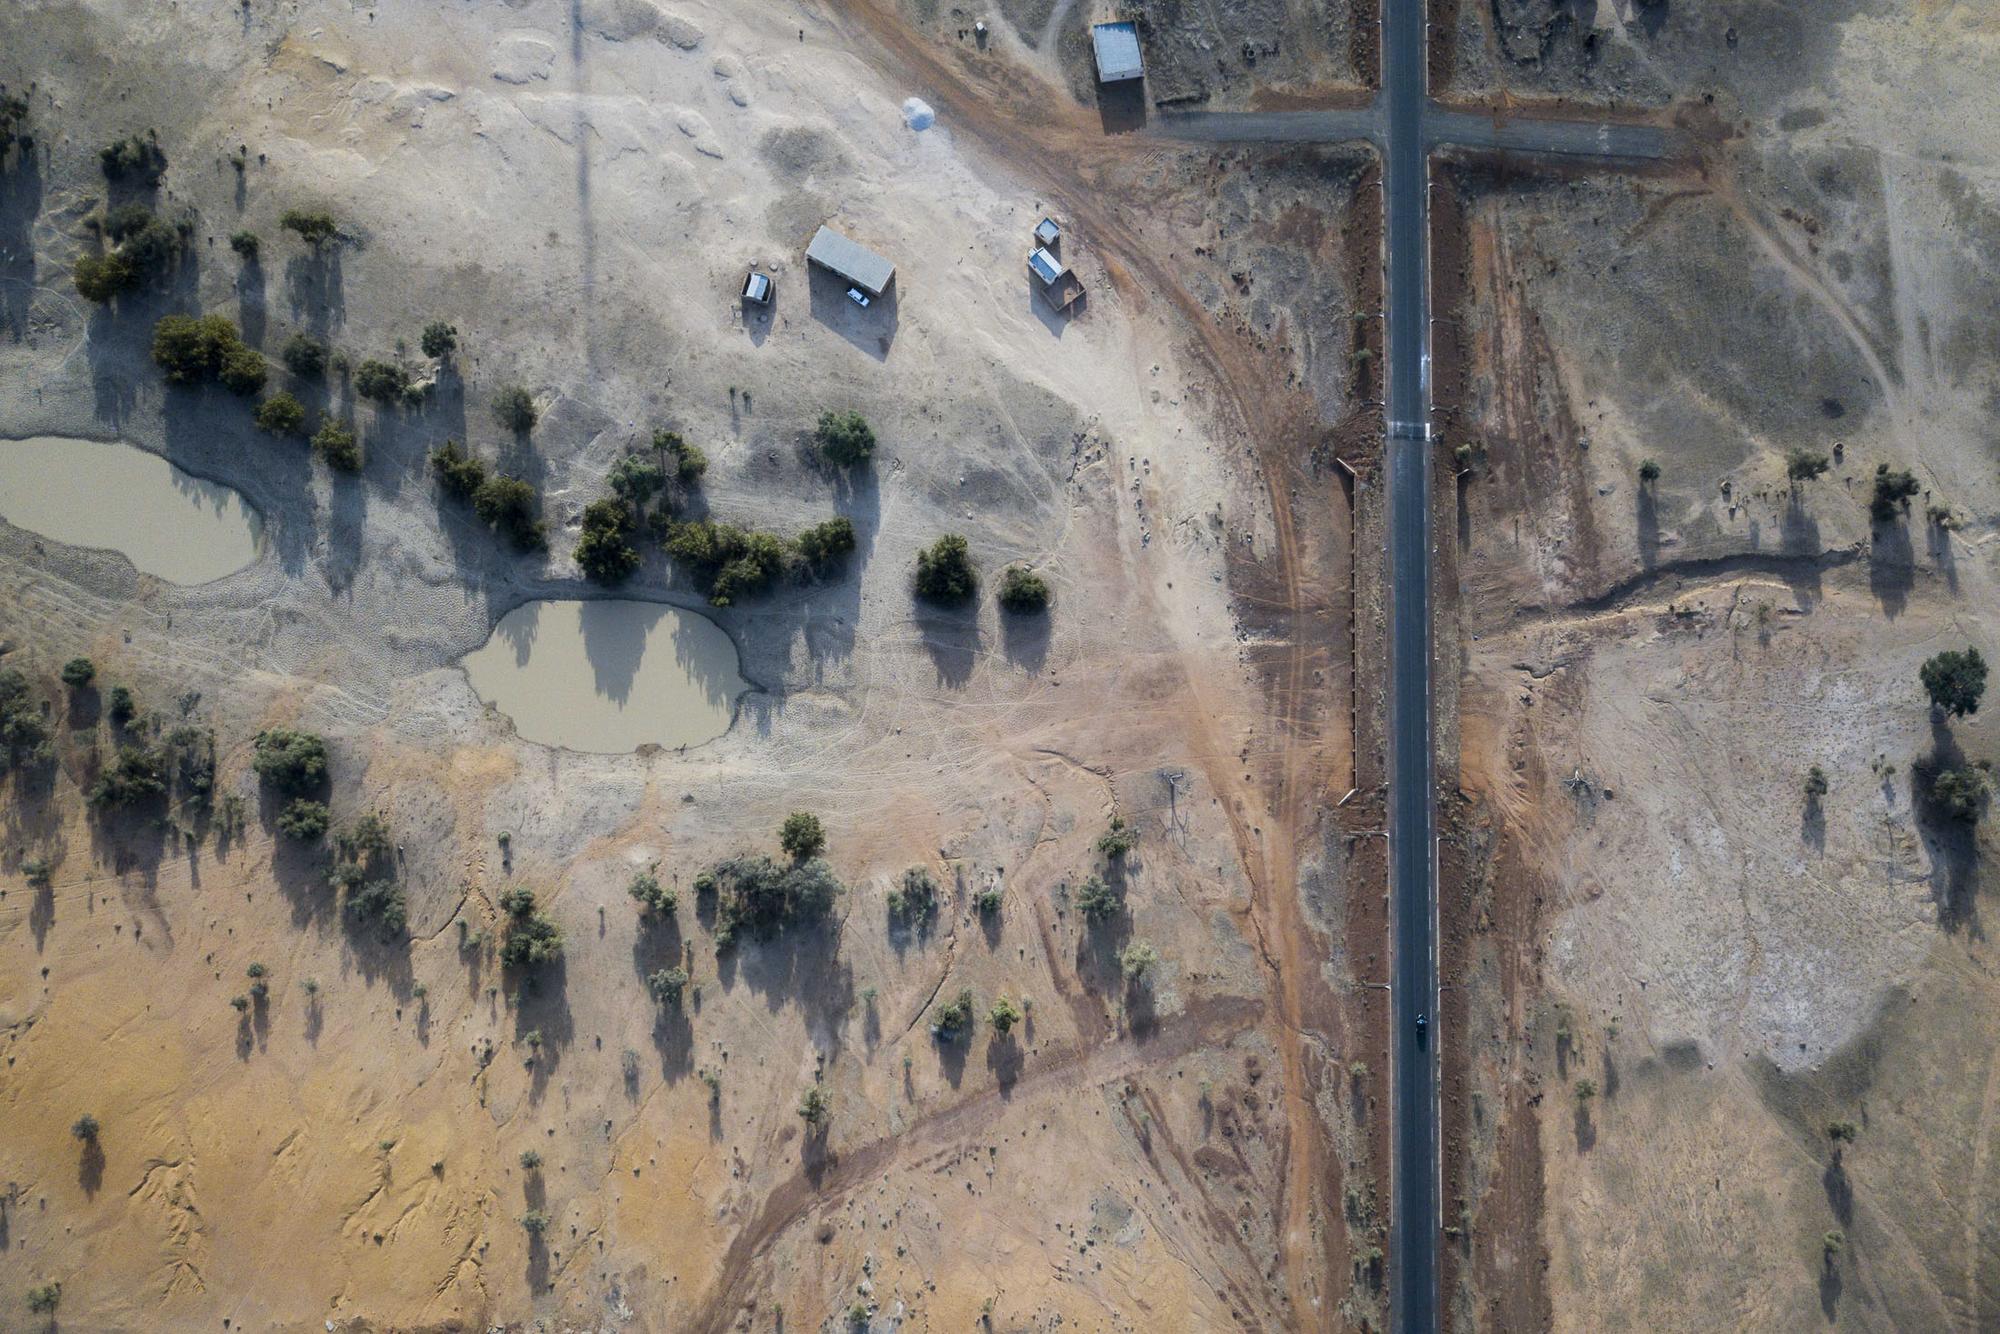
(1022, 591)
(1117, 840)
(304, 356)
(915, 896)
(944, 571)
(514, 408)
(78, 673)
(802, 836)
(290, 760)
(1891, 494)
(1955, 680)
(281, 414)
(335, 442)
(304, 819)
(314, 226)
(845, 438)
(604, 552)
(757, 896)
(533, 938)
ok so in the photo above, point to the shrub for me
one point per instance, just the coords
(79, 672)
(438, 340)
(365, 839)
(1816, 786)
(303, 818)
(651, 896)
(1023, 591)
(954, 1016)
(13, 123)
(914, 896)
(314, 226)
(1649, 471)
(826, 541)
(535, 1222)
(987, 901)
(514, 408)
(127, 220)
(533, 938)
(690, 462)
(845, 438)
(45, 1298)
(814, 1107)
(802, 836)
(636, 479)
(603, 552)
(122, 706)
(1959, 793)
(530, 1160)
(459, 474)
(136, 774)
(191, 349)
(281, 414)
(1955, 680)
(85, 1127)
(243, 371)
(1003, 1016)
(382, 902)
(23, 733)
(508, 504)
(133, 158)
(1097, 900)
(38, 872)
(1891, 494)
(336, 443)
(1842, 1131)
(245, 244)
(756, 895)
(1117, 840)
(944, 571)
(1137, 960)
(666, 985)
(290, 760)
(380, 382)
(304, 356)
(1586, 1089)
(1802, 465)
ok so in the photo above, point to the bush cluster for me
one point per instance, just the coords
(944, 571)
(335, 442)
(845, 438)
(290, 760)
(915, 896)
(143, 249)
(24, 734)
(137, 158)
(197, 349)
(653, 898)
(953, 1017)
(756, 895)
(533, 938)
(605, 551)
(1023, 591)
(730, 562)
(313, 226)
(135, 775)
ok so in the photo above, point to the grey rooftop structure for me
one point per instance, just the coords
(856, 263)
(1047, 232)
(1117, 47)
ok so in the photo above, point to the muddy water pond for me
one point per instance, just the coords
(608, 676)
(93, 493)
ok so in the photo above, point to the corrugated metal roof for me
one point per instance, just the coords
(1047, 232)
(1117, 51)
(1046, 266)
(856, 263)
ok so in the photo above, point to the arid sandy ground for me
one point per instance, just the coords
(1683, 973)
(579, 187)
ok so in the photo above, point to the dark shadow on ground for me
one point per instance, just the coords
(542, 1007)
(20, 205)
(90, 1167)
(1953, 844)
(1798, 535)
(1006, 1060)
(951, 637)
(1648, 504)
(871, 329)
(250, 306)
(1121, 106)
(1024, 637)
(1892, 567)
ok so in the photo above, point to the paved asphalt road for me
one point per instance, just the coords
(1413, 1172)
(1440, 127)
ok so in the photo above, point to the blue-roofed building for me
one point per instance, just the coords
(1058, 286)
(1117, 48)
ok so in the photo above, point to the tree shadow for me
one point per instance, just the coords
(1586, 1129)
(1812, 824)
(1025, 639)
(1829, 1288)
(1839, 1190)
(1937, 540)
(315, 291)
(251, 308)
(1892, 567)
(315, 1020)
(1798, 535)
(952, 1049)
(1006, 1060)
(42, 915)
(542, 1006)
(90, 1167)
(1952, 842)
(346, 532)
(20, 205)
(798, 966)
(951, 637)
(1648, 518)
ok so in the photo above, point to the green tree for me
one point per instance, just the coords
(1816, 785)
(243, 370)
(944, 571)
(1802, 465)
(304, 356)
(1117, 839)
(915, 896)
(290, 760)
(438, 340)
(336, 443)
(845, 438)
(1649, 471)
(1003, 1016)
(1891, 494)
(44, 1298)
(246, 245)
(802, 836)
(954, 1016)
(1098, 900)
(653, 898)
(315, 227)
(1959, 793)
(1955, 680)
(533, 938)
(190, 349)
(281, 414)
(459, 474)
(381, 382)
(133, 158)
(1137, 960)
(79, 672)
(514, 408)
(103, 278)
(122, 706)
(604, 551)
(666, 986)
(85, 1128)
(1023, 591)
(509, 504)
(636, 479)
(825, 542)
(814, 1107)
(304, 819)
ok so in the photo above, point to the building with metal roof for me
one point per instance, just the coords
(851, 262)
(1117, 48)
(1058, 286)
(1047, 233)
